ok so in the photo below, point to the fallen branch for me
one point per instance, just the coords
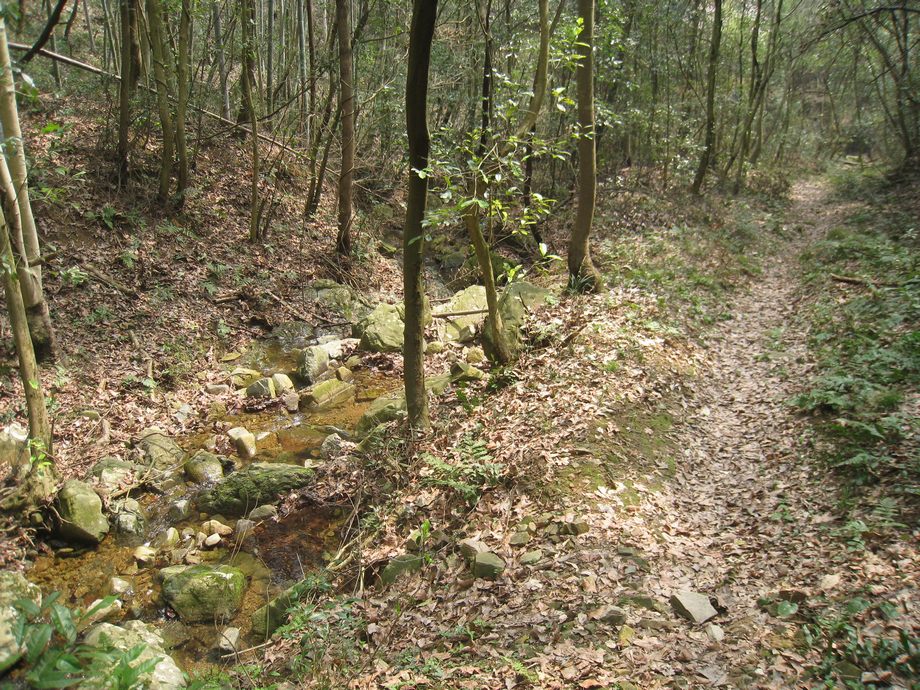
(103, 277)
(452, 314)
(856, 280)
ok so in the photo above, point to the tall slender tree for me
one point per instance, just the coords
(424, 13)
(347, 109)
(583, 276)
(711, 71)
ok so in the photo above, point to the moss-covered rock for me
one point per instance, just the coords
(463, 328)
(13, 586)
(516, 302)
(158, 451)
(312, 363)
(327, 394)
(166, 674)
(381, 330)
(380, 411)
(255, 485)
(204, 468)
(203, 593)
(80, 513)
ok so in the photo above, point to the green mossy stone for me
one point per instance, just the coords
(255, 485)
(203, 593)
(487, 565)
(80, 511)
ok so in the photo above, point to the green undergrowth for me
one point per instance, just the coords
(865, 338)
(692, 264)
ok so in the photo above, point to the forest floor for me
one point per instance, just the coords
(642, 447)
(633, 465)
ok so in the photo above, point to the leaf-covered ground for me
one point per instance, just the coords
(619, 467)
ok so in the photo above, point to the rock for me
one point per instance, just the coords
(516, 302)
(463, 328)
(204, 468)
(381, 330)
(217, 389)
(399, 565)
(475, 355)
(113, 474)
(262, 388)
(382, 410)
(334, 446)
(167, 539)
(99, 613)
(166, 675)
(13, 586)
(254, 485)
(469, 548)
(130, 523)
(434, 347)
(612, 615)
(228, 641)
(626, 636)
(266, 619)
(243, 528)
(437, 384)
(241, 377)
(291, 401)
(145, 556)
(462, 371)
(336, 349)
(312, 363)
(80, 511)
(263, 512)
(344, 374)
(244, 442)
(487, 565)
(212, 540)
(715, 632)
(202, 593)
(159, 451)
(327, 394)
(520, 539)
(575, 527)
(693, 606)
(283, 383)
(338, 299)
(121, 587)
(531, 557)
(179, 510)
(14, 452)
(216, 527)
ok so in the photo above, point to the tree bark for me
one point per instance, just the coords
(583, 277)
(709, 145)
(162, 68)
(347, 108)
(30, 271)
(182, 95)
(424, 13)
(129, 74)
(247, 21)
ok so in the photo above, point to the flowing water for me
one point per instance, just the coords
(275, 555)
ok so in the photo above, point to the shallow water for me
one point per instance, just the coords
(275, 555)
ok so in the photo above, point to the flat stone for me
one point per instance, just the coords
(212, 540)
(263, 512)
(487, 565)
(312, 363)
(216, 527)
(244, 441)
(612, 615)
(469, 548)
(145, 555)
(327, 394)
(715, 632)
(291, 401)
(520, 539)
(344, 374)
(241, 377)
(217, 389)
(531, 557)
(693, 606)
(464, 371)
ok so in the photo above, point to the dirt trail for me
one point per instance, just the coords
(748, 512)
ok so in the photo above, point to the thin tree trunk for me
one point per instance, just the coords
(30, 279)
(125, 86)
(709, 145)
(424, 14)
(182, 95)
(219, 40)
(162, 67)
(247, 21)
(582, 274)
(89, 27)
(347, 108)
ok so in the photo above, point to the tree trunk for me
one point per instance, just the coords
(127, 11)
(347, 108)
(30, 271)
(247, 22)
(582, 274)
(424, 14)
(162, 68)
(707, 155)
(182, 93)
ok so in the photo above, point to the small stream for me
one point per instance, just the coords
(276, 554)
